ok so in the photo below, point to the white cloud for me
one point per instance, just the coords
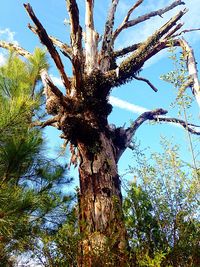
(8, 35)
(117, 102)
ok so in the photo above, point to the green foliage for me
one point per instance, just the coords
(162, 210)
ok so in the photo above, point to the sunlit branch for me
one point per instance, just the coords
(18, 49)
(192, 68)
(91, 38)
(159, 12)
(44, 38)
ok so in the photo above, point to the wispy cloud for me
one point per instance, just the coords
(117, 102)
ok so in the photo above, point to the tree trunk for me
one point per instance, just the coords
(100, 207)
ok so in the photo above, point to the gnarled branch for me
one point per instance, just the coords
(129, 23)
(145, 51)
(154, 115)
(44, 38)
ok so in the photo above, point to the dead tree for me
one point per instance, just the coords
(81, 114)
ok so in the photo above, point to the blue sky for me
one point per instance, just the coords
(13, 27)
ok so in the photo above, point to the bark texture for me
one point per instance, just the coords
(101, 218)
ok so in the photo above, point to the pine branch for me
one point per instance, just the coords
(44, 38)
(130, 23)
(43, 73)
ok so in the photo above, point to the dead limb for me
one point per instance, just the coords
(107, 44)
(124, 51)
(18, 49)
(145, 51)
(76, 43)
(50, 122)
(192, 68)
(156, 116)
(44, 38)
(146, 81)
(130, 23)
(65, 49)
(91, 38)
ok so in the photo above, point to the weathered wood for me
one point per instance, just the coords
(91, 39)
(108, 42)
(130, 23)
(44, 38)
(192, 68)
(101, 218)
(145, 51)
(76, 44)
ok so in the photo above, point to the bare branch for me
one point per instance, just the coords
(128, 134)
(44, 38)
(91, 38)
(50, 122)
(154, 115)
(187, 126)
(18, 49)
(65, 49)
(107, 44)
(122, 52)
(146, 81)
(76, 42)
(186, 31)
(145, 51)
(126, 24)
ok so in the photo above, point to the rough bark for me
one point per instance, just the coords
(101, 218)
